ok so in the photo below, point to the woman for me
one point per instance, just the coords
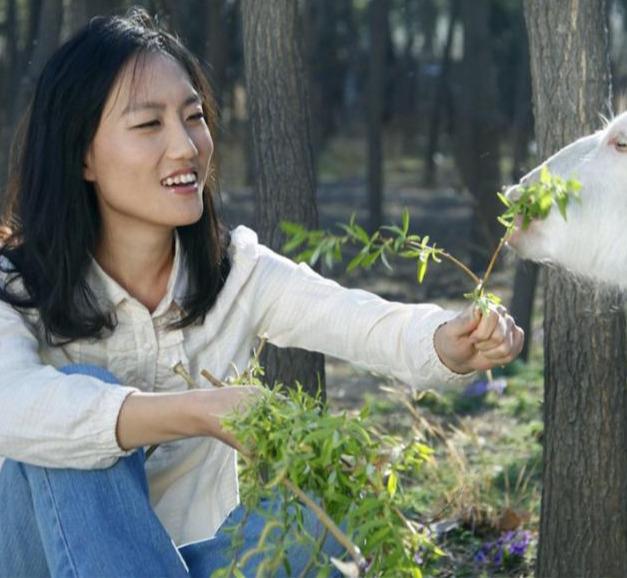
(115, 267)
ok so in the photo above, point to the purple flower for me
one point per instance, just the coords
(497, 385)
(497, 559)
(476, 388)
(518, 547)
(482, 386)
(509, 547)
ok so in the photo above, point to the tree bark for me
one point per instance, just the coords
(276, 85)
(45, 18)
(478, 131)
(583, 530)
(378, 17)
(439, 99)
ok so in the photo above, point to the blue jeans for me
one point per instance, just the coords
(69, 523)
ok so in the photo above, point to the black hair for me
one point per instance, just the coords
(51, 225)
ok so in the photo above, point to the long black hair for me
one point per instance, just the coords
(51, 226)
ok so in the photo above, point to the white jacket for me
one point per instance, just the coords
(51, 419)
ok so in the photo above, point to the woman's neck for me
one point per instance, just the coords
(140, 263)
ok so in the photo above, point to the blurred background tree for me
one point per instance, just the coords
(420, 103)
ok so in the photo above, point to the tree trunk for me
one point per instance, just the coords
(478, 131)
(583, 530)
(276, 86)
(525, 279)
(376, 93)
(441, 89)
(521, 307)
(45, 18)
(217, 48)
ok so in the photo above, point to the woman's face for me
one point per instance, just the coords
(149, 158)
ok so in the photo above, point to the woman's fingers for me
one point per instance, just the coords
(486, 327)
(497, 337)
(508, 350)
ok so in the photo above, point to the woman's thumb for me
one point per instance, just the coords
(466, 321)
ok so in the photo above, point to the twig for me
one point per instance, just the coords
(212, 378)
(262, 344)
(179, 369)
(502, 242)
(441, 253)
(312, 560)
(328, 523)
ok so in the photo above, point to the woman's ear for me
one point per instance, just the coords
(88, 171)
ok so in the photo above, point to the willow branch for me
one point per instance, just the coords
(493, 259)
(328, 523)
(476, 280)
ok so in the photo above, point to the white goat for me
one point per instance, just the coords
(593, 241)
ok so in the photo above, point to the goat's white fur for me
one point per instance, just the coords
(593, 240)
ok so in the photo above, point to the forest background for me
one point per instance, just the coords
(423, 104)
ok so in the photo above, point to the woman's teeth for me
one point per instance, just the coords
(185, 179)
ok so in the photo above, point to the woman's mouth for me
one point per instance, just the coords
(182, 183)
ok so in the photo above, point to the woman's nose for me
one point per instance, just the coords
(181, 143)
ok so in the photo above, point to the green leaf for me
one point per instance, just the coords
(296, 241)
(393, 229)
(504, 199)
(290, 228)
(405, 218)
(361, 234)
(392, 483)
(422, 269)
(356, 261)
(385, 261)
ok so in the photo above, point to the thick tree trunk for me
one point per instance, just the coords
(521, 307)
(45, 18)
(276, 86)
(376, 93)
(439, 98)
(583, 530)
(478, 131)
(525, 279)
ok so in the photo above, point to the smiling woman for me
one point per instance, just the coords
(148, 163)
(114, 268)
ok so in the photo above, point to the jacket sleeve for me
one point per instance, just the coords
(48, 418)
(293, 306)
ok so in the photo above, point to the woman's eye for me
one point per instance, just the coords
(149, 124)
(197, 116)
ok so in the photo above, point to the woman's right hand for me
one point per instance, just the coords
(225, 401)
(148, 418)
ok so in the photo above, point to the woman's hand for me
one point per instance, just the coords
(224, 401)
(475, 342)
(148, 419)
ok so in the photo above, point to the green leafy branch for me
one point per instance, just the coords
(342, 469)
(534, 201)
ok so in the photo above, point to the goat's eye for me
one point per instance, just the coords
(621, 144)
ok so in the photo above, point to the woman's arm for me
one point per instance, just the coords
(51, 419)
(422, 345)
(153, 418)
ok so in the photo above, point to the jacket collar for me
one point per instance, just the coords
(109, 290)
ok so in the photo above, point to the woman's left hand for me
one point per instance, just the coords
(476, 342)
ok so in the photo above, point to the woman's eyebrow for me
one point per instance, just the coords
(148, 105)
